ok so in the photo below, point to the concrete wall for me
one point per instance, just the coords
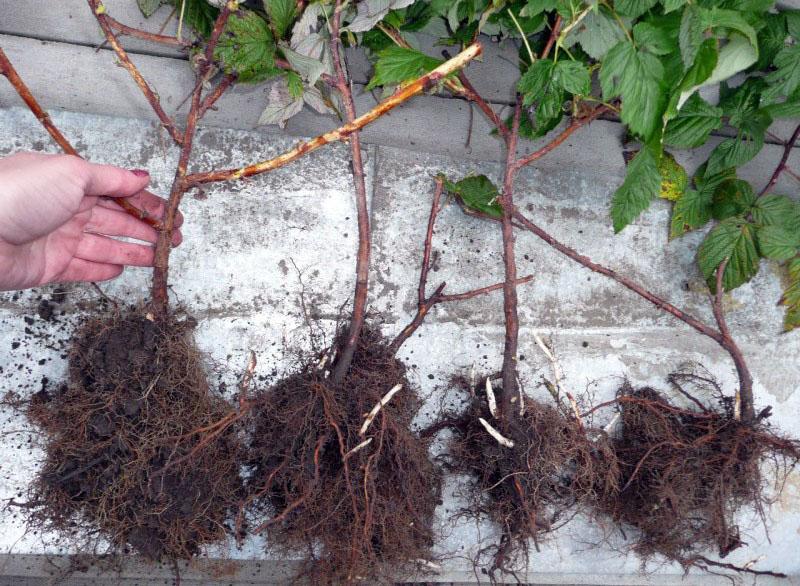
(255, 250)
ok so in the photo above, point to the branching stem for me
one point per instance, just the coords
(99, 11)
(426, 303)
(782, 164)
(160, 300)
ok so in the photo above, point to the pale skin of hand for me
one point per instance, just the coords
(55, 227)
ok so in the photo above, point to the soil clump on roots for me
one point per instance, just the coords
(685, 473)
(361, 511)
(127, 461)
(552, 471)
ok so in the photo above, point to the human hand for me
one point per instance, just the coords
(54, 227)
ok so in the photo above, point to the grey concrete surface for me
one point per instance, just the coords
(266, 257)
(257, 252)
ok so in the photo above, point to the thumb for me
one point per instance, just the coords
(113, 181)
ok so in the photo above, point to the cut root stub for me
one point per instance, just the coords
(315, 484)
(123, 454)
(529, 489)
(685, 472)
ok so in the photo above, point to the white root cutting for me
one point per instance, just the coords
(503, 441)
(490, 398)
(247, 378)
(472, 381)
(358, 448)
(386, 398)
(521, 398)
(548, 352)
(610, 427)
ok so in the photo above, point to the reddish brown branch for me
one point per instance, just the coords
(99, 11)
(470, 93)
(160, 300)
(745, 393)
(621, 279)
(574, 125)
(224, 84)
(553, 36)
(425, 303)
(506, 200)
(439, 296)
(364, 240)
(130, 31)
(787, 151)
(7, 69)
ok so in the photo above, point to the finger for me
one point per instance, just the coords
(84, 270)
(100, 249)
(114, 223)
(144, 200)
(111, 222)
(109, 180)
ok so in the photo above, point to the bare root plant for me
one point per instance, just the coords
(334, 468)
(679, 476)
(139, 452)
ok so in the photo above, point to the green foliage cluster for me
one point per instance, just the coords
(647, 60)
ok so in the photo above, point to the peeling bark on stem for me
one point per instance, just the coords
(342, 133)
(7, 69)
(364, 238)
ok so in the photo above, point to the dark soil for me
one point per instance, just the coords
(124, 460)
(553, 471)
(686, 472)
(367, 514)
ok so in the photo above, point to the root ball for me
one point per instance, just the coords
(685, 472)
(120, 461)
(367, 512)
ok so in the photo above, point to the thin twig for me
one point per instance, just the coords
(553, 36)
(425, 303)
(574, 125)
(343, 132)
(99, 11)
(787, 151)
(130, 31)
(7, 69)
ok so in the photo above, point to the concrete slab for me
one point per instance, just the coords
(254, 250)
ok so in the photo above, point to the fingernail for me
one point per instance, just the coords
(140, 172)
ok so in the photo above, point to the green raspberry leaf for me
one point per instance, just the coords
(732, 239)
(398, 64)
(477, 193)
(777, 243)
(642, 184)
(695, 121)
(281, 15)
(247, 48)
(691, 211)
